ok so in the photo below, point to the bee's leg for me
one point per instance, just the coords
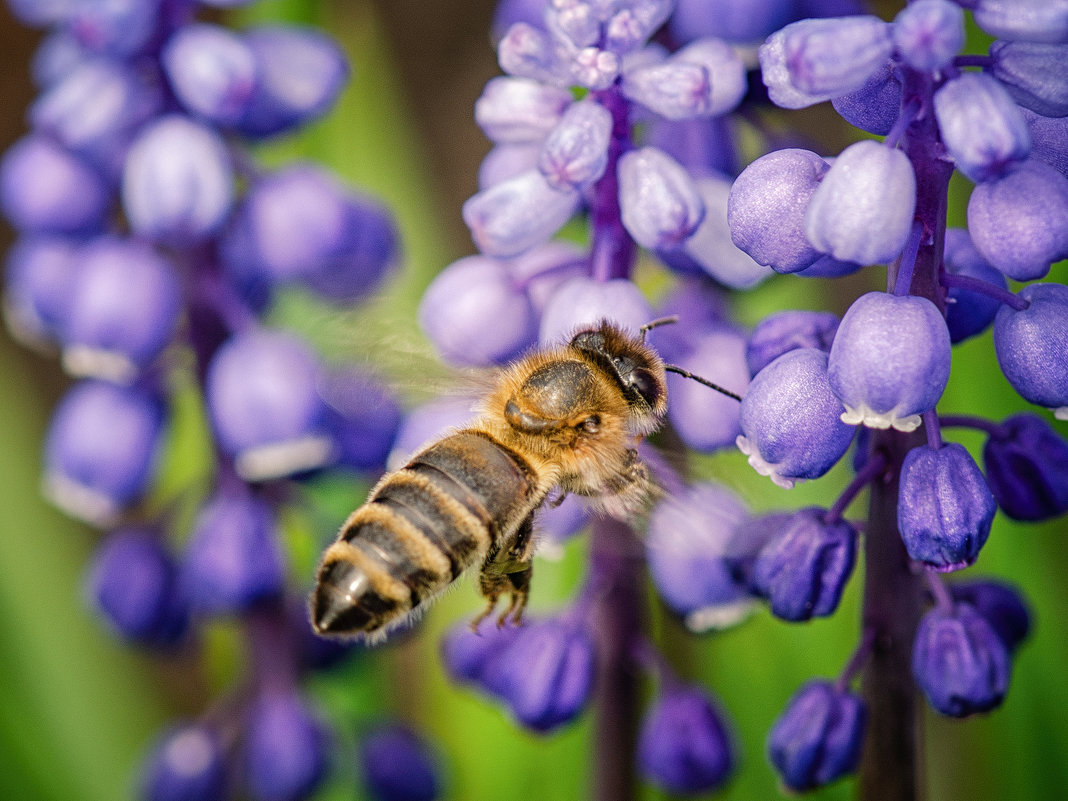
(508, 570)
(630, 491)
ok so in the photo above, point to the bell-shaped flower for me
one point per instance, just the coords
(233, 558)
(187, 763)
(862, 210)
(803, 570)
(1032, 346)
(959, 662)
(876, 105)
(262, 396)
(658, 200)
(520, 110)
(212, 72)
(526, 51)
(981, 126)
(100, 449)
(40, 270)
(398, 765)
(512, 217)
(706, 78)
(683, 744)
(1024, 20)
(1036, 75)
(286, 748)
(818, 737)
(791, 420)
(691, 550)
(889, 362)
(363, 416)
(178, 181)
(299, 74)
(945, 507)
(123, 307)
(968, 313)
(705, 419)
(1027, 468)
(584, 301)
(1019, 222)
(133, 583)
(766, 211)
(781, 332)
(45, 188)
(576, 151)
(1000, 605)
(929, 33)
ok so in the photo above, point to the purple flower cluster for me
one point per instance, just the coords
(151, 245)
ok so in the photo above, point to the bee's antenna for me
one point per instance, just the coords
(649, 326)
(672, 368)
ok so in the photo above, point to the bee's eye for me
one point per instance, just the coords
(645, 384)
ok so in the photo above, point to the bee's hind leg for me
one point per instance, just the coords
(508, 570)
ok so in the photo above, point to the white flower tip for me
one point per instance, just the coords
(278, 459)
(719, 617)
(864, 416)
(762, 468)
(1061, 413)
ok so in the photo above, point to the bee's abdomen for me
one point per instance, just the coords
(425, 524)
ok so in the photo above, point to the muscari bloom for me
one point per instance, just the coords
(1027, 468)
(1030, 346)
(398, 765)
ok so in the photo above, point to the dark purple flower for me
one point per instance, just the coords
(968, 313)
(875, 106)
(286, 749)
(784, 331)
(186, 764)
(1000, 605)
(1032, 346)
(1027, 468)
(398, 765)
(467, 653)
(1036, 75)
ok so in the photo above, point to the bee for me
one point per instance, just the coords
(562, 420)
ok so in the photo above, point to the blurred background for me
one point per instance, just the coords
(78, 709)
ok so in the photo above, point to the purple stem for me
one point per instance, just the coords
(612, 249)
(874, 467)
(975, 60)
(969, 284)
(933, 429)
(939, 591)
(856, 661)
(903, 282)
(969, 421)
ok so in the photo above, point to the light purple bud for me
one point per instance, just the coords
(124, 305)
(693, 19)
(509, 12)
(594, 68)
(121, 27)
(261, 390)
(1049, 140)
(705, 419)
(558, 524)
(519, 110)
(862, 210)
(629, 28)
(791, 421)
(929, 33)
(514, 216)
(766, 210)
(286, 748)
(835, 56)
(1032, 346)
(576, 151)
(45, 188)
(211, 71)
(890, 360)
(507, 161)
(703, 79)
(476, 314)
(659, 201)
(981, 126)
(683, 744)
(1020, 221)
(188, 763)
(37, 283)
(1024, 20)
(584, 302)
(776, 73)
(945, 507)
(968, 313)
(876, 105)
(1036, 75)
(178, 181)
(575, 24)
(784, 331)
(545, 268)
(529, 52)
(56, 56)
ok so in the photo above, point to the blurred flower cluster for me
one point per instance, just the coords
(151, 247)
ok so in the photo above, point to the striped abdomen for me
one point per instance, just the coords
(423, 526)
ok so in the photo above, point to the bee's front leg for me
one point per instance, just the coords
(508, 570)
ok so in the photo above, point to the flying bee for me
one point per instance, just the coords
(563, 420)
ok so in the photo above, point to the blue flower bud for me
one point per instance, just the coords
(1036, 75)
(703, 79)
(1019, 222)
(628, 28)
(1000, 605)
(876, 105)
(37, 283)
(211, 71)
(514, 216)
(766, 211)
(584, 301)
(261, 389)
(178, 181)
(691, 550)
(467, 654)
(658, 200)
(889, 362)
(45, 188)
(545, 674)
(968, 313)
(100, 450)
(233, 558)
(187, 763)
(299, 74)
(576, 151)
(133, 583)
(803, 570)
(981, 126)
(818, 737)
(1049, 140)
(119, 27)
(1032, 346)
(683, 744)
(959, 662)
(707, 420)
(945, 507)
(124, 305)
(363, 417)
(476, 313)
(784, 331)
(929, 33)
(862, 210)
(529, 52)
(693, 19)
(1026, 20)
(286, 749)
(1027, 468)
(398, 765)
(594, 68)
(829, 267)
(791, 421)
(518, 110)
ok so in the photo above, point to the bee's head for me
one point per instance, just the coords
(636, 367)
